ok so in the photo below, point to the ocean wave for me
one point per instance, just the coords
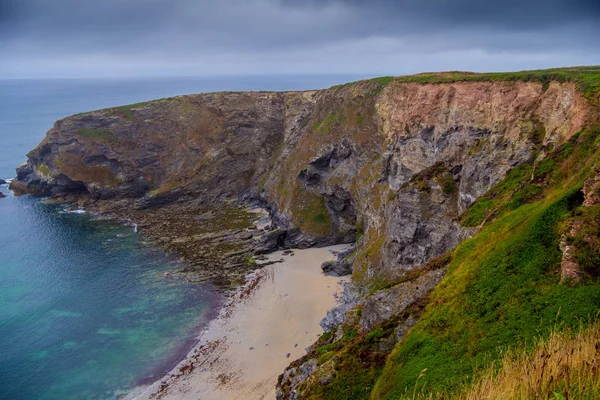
(68, 210)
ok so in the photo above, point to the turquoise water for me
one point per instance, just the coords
(86, 311)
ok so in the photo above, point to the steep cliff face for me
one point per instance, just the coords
(186, 144)
(402, 163)
(399, 162)
(396, 165)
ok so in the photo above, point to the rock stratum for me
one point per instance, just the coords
(436, 177)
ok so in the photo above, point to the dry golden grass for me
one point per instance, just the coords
(565, 366)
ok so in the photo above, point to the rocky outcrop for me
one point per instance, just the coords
(581, 233)
(591, 191)
(342, 266)
(387, 304)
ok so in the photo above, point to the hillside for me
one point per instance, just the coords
(472, 199)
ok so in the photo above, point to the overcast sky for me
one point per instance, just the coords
(87, 38)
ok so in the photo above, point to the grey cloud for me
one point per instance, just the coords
(212, 33)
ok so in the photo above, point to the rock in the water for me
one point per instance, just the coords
(3, 182)
(2, 195)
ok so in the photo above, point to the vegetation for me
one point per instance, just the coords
(525, 183)
(351, 364)
(78, 170)
(100, 134)
(587, 239)
(126, 111)
(309, 212)
(502, 286)
(564, 366)
(165, 187)
(337, 118)
(437, 263)
(250, 261)
(586, 78)
(371, 255)
(43, 170)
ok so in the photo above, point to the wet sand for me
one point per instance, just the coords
(242, 352)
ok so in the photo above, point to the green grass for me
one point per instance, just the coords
(587, 240)
(309, 212)
(586, 78)
(357, 361)
(250, 261)
(525, 183)
(337, 118)
(126, 111)
(100, 134)
(502, 287)
(43, 169)
(382, 80)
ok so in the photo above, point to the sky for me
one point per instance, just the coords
(111, 38)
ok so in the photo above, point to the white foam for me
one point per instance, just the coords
(74, 210)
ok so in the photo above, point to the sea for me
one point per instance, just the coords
(86, 309)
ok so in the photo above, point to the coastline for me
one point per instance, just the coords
(266, 324)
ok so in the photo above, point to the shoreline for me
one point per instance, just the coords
(265, 325)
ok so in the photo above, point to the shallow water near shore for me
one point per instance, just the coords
(86, 311)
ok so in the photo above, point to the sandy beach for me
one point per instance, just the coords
(267, 324)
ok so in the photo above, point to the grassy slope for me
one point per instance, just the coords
(564, 366)
(502, 287)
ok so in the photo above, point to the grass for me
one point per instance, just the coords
(43, 170)
(586, 78)
(97, 134)
(525, 183)
(354, 362)
(309, 212)
(250, 261)
(337, 118)
(587, 239)
(126, 111)
(502, 286)
(566, 365)
(165, 187)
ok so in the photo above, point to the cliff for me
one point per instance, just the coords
(409, 168)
